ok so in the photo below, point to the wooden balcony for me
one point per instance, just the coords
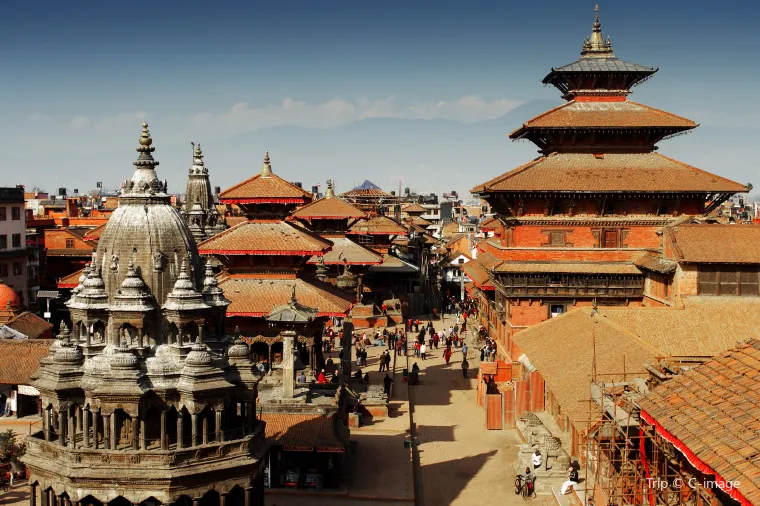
(572, 286)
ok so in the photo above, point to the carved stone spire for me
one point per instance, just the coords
(595, 46)
(266, 167)
(198, 165)
(329, 193)
(145, 180)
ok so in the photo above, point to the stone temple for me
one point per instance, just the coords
(146, 400)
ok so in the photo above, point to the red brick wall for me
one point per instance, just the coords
(56, 239)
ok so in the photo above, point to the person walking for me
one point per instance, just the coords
(464, 351)
(364, 357)
(465, 366)
(382, 363)
(387, 359)
(447, 354)
(387, 382)
(423, 350)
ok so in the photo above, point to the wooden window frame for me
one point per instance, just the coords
(724, 274)
(69, 243)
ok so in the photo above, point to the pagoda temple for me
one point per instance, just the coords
(145, 398)
(263, 260)
(575, 221)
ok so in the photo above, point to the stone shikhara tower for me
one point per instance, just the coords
(199, 211)
(145, 398)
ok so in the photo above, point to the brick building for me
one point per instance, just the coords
(13, 255)
(575, 222)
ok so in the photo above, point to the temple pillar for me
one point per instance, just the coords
(222, 499)
(219, 430)
(86, 428)
(180, 429)
(71, 431)
(164, 441)
(143, 440)
(46, 423)
(347, 344)
(61, 425)
(194, 430)
(113, 432)
(288, 364)
(140, 336)
(248, 496)
(33, 494)
(204, 425)
(135, 431)
(79, 418)
(95, 418)
(107, 432)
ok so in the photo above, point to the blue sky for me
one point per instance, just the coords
(241, 77)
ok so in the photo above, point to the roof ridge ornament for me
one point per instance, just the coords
(595, 46)
(198, 167)
(329, 193)
(266, 167)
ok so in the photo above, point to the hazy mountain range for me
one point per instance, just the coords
(426, 155)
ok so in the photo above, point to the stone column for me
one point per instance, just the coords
(107, 432)
(86, 428)
(219, 425)
(46, 423)
(61, 427)
(72, 432)
(194, 430)
(248, 496)
(33, 494)
(113, 432)
(164, 441)
(222, 499)
(143, 440)
(95, 418)
(288, 365)
(180, 429)
(204, 438)
(79, 418)
(196, 501)
(135, 431)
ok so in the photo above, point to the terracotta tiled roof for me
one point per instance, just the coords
(94, 234)
(263, 189)
(419, 221)
(655, 263)
(413, 208)
(701, 328)
(255, 297)
(626, 114)
(477, 270)
(450, 229)
(346, 251)
(567, 268)
(111, 203)
(568, 380)
(624, 172)
(714, 243)
(70, 281)
(491, 224)
(31, 325)
(380, 225)
(264, 238)
(303, 431)
(394, 265)
(366, 193)
(234, 220)
(19, 359)
(714, 411)
(328, 208)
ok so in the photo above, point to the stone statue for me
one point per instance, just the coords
(158, 260)
(114, 262)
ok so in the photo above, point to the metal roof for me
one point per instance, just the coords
(603, 65)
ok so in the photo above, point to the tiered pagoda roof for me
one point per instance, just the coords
(265, 188)
(618, 172)
(377, 225)
(265, 237)
(256, 297)
(601, 142)
(346, 252)
(328, 208)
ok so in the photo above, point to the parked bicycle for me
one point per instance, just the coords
(526, 489)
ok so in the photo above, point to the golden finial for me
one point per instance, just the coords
(329, 193)
(266, 167)
(595, 46)
(293, 299)
(145, 139)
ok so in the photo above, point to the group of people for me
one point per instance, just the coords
(529, 477)
(488, 351)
